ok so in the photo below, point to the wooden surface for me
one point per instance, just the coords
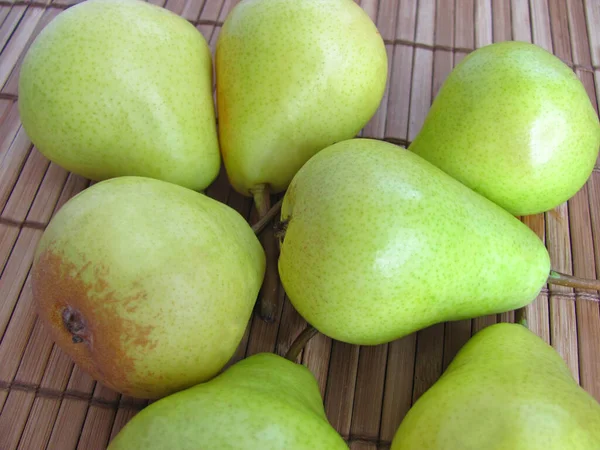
(47, 402)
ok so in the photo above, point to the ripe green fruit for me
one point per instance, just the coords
(292, 78)
(380, 243)
(148, 286)
(515, 124)
(263, 402)
(505, 390)
(122, 87)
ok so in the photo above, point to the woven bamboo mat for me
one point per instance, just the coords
(48, 403)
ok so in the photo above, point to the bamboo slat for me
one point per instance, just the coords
(341, 386)
(18, 41)
(400, 73)
(4, 12)
(385, 19)
(47, 402)
(316, 356)
(10, 86)
(584, 264)
(423, 68)
(9, 24)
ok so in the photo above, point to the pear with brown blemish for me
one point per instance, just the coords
(515, 124)
(292, 78)
(505, 390)
(148, 285)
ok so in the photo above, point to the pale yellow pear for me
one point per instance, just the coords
(292, 78)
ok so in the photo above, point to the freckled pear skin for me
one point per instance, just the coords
(515, 124)
(380, 243)
(115, 87)
(292, 78)
(156, 281)
(263, 402)
(505, 390)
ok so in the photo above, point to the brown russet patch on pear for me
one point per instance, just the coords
(97, 337)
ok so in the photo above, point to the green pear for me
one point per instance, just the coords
(505, 390)
(380, 243)
(263, 402)
(292, 78)
(515, 124)
(122, 87)
(148, 285)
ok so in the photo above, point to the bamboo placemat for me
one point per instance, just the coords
(48, 403)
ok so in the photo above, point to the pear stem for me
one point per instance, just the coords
(302, 339)
(563, 279)
(269, 216)
(267, 303)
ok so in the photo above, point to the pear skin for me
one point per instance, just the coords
(292, 78)
(263, 402)
(515, 124)
(147, 285)
(379, 243)
(122, 87)
(505, 390)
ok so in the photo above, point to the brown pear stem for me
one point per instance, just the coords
(269, 216)
(267, 303)
(302, 339)
(563, 279)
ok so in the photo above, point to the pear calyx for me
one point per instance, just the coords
(75, 324)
